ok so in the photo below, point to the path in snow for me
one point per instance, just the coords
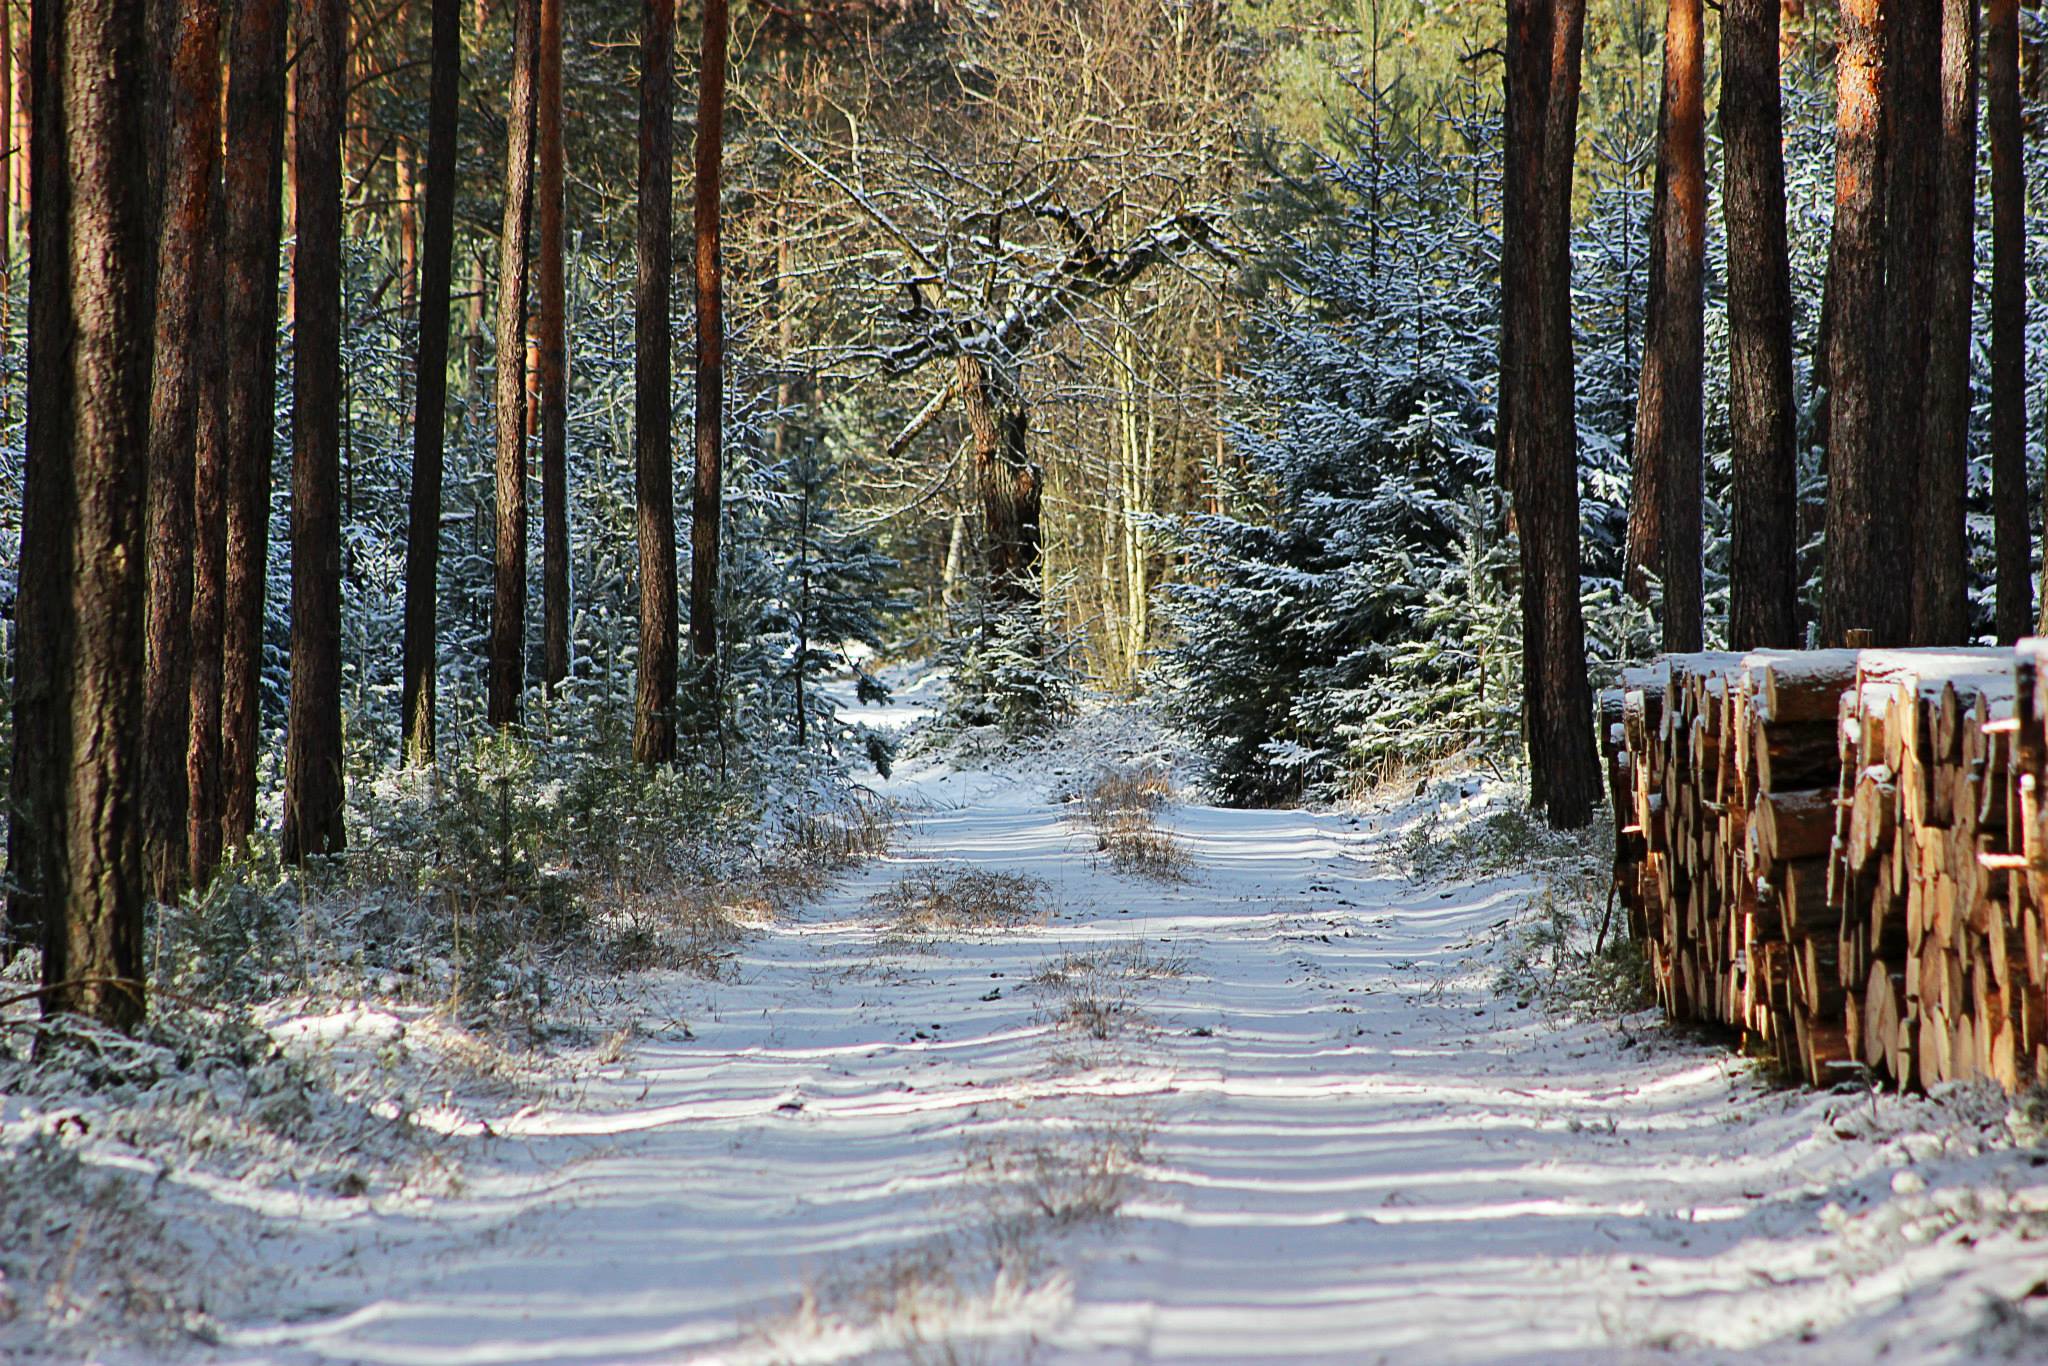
(1340, 1146)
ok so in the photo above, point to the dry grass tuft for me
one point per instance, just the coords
(1132, 962)
(943, 903)
(697, 930)
(1093, 993)
(1123, 806)
(1078, 1178)
(655, 923)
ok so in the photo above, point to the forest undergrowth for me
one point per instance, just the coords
(317, 1034)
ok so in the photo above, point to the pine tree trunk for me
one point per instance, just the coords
(406, 189)
(1681, 331)
(1011, 487)
(253, 193)
(554, 359)
(1544, 43)
(1763, 597)
(1866, 533)
(24, 117)
(313, 816)
(1942, 575)
(706, 504)
(1912, 124)
(1643, 551)
(209, 566)
(191, 145)
(508, 601)
(2008, 321)
(12, 154)
(430, 411)
(654, 720)
(81, 606)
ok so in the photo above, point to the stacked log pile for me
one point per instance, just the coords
(1841, 854)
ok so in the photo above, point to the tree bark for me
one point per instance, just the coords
(508, 601)
(1010, 486)
(554, 360)
(1681, 325)
(1912, 134)
(1540, 438)
(12, 153)
(1942, 576)
(1866, 533)
(1643, 551)
(81, 604)
(191, 147)
(430, 411)
(1763, 583)
(406, 189)
(253, 195)
(654, 720)
(24, 122)
(2008, 321)
(209, 566)
(313, 797)
(706, 504)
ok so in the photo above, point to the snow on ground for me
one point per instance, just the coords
(1273, 1112)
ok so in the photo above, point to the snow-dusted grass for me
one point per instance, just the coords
(1122, 806)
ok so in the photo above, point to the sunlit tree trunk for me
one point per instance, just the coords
(654, 720)
(1941, 578)
(508, 602)
(1681, 327)
(191, 145)
(1763, 536)
(2008, 320)
(1866, 514)
(253, 194)
(430, 418)
(1539, 435)
(1643, 546)
(313, 814)
(554, 359)
(209, 569)
(75, 829)
(1010, 486)
(1912, 135)
(706, 505)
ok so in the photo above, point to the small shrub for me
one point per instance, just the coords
(1129, 962)
(1510, 839)
(1082, 1178)
(938, 903)
(1122, 806)
(1569, 955)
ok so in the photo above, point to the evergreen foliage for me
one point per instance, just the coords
(1356, 614)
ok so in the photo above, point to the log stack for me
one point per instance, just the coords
(1841, 854)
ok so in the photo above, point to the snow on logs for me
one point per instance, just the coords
(1843, 854)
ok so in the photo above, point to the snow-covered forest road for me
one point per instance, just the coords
(1273, 1112)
